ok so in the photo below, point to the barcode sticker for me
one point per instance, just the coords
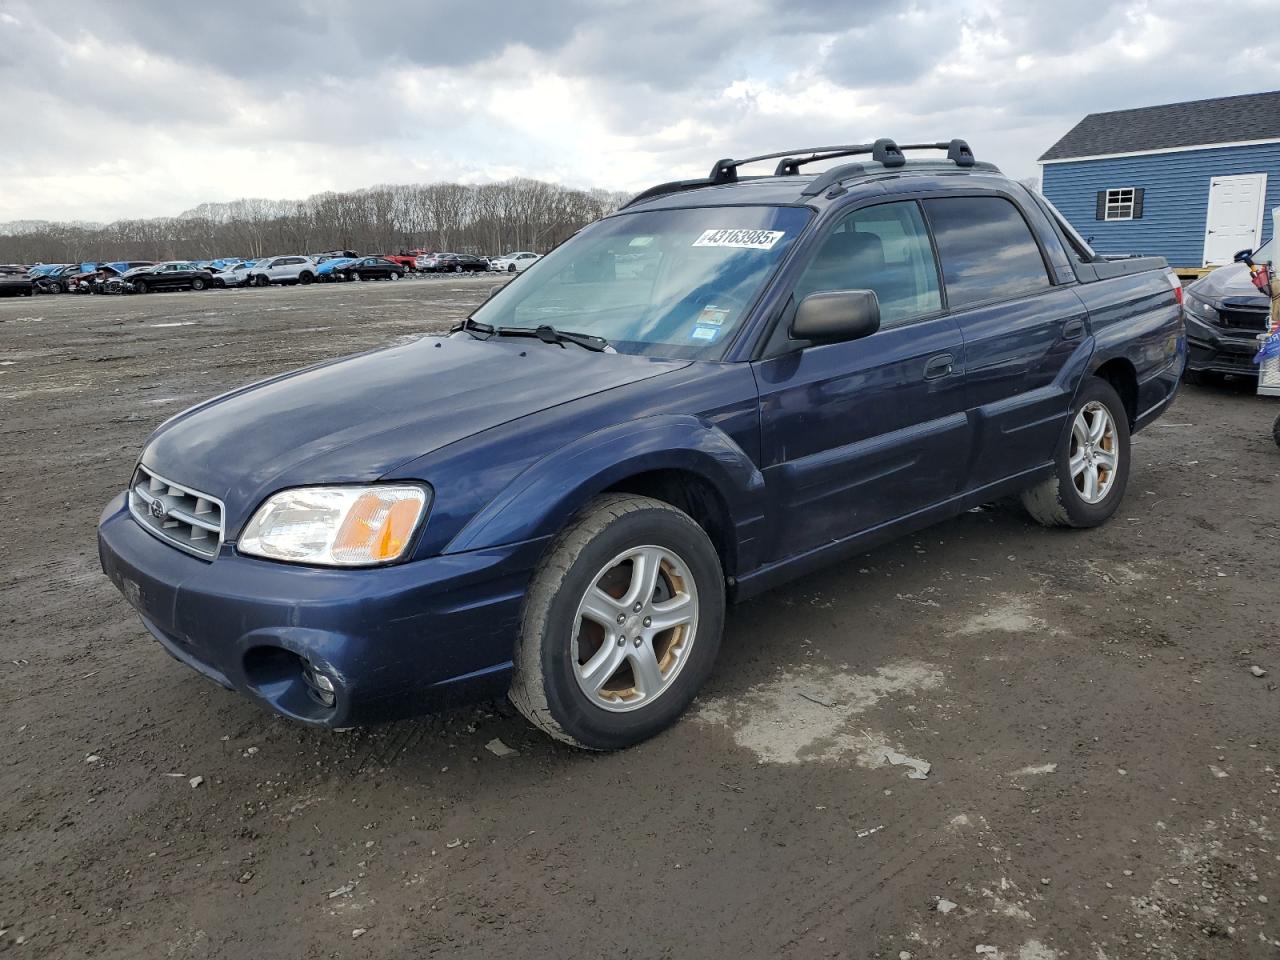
(743, 239)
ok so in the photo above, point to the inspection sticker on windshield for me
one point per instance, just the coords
(705, 333)
(744, 239)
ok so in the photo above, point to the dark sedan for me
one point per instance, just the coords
(461, 263)
(1225, 314)
(373, 268)
(173, 275)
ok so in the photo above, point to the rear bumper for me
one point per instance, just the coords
(1214, 350)
(394, 641)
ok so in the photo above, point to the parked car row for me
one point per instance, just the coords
(144, 276)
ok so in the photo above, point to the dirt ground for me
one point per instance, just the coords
(1103, 778)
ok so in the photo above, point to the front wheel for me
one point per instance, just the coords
(1091, 468)
(511, 268)
(197, 283)
(393, 275)
(261, 280)
(140, 286)
(621, 624)
(354, 275)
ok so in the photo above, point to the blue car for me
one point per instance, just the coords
(729, 383)
(332, 269)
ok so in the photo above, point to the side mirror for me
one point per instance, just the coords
(1243, 256)
(836, 315)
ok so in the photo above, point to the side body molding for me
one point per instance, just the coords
(540, 500)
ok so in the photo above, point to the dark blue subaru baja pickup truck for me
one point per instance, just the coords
(729, 382)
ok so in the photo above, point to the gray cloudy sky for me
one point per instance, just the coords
(133, 108)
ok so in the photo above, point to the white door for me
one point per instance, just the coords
(1235, 216)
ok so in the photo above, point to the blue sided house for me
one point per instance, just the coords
(1191, 182)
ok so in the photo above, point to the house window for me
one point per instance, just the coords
(1119, 204)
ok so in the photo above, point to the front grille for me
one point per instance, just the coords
(176, 514)
(1254, 321)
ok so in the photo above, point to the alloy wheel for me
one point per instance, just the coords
(634, 628)
(1094, 452)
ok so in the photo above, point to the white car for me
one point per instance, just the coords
(291, 269)
(426, 263)
(515, 262)
(236, 276)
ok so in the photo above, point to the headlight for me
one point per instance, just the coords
(1200, 309)
(337, 526)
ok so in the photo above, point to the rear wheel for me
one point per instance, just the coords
(1091, 468)
(621, 624)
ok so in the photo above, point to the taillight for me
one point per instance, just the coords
(1176, 284)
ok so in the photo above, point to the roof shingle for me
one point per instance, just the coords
(1253, 116)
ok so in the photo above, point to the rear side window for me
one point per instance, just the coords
(986, 248)
(883, 248)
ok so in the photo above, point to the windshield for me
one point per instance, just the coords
(665, 283)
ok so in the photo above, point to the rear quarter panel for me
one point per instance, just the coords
(1137, 318)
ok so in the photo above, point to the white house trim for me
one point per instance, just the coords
(1149, 153)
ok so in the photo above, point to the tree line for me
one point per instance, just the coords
(492, 218)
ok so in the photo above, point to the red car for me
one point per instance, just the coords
(404, 259)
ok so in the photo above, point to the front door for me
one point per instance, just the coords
(855, 435)
(1234, 221)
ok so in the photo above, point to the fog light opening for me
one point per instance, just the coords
(319, 686)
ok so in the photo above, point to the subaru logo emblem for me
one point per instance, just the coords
(157, 509)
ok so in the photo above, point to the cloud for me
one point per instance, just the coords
(149, 109)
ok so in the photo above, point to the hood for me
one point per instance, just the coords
(355, 419)
(1228, 283)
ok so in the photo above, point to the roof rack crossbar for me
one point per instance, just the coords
(884, 151)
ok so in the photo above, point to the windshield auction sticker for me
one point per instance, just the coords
(743, 239)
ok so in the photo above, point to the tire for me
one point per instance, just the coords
(197, 283)
(306, 276)
(219, 284)
(141, 286)
(546, 685)
(57, 287)
(511, 268)
(1063, 500)
(354, 275)
(262, 280)
(393, 275)
(1275, 431)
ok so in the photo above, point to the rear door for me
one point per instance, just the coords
(1020, 332)
(855, 435)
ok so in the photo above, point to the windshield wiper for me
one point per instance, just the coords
(549, 334)
(473, 327)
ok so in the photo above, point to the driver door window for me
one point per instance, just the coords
(883, 248)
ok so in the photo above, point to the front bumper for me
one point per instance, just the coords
(1213, 349)
(394, 641)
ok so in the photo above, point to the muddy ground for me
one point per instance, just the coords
(1104, 763)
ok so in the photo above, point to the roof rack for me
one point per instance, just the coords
(884, 152)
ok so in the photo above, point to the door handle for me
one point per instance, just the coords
(1073, 330)
(939, 366)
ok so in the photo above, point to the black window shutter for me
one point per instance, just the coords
(1100, 212)
(1137, 202)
